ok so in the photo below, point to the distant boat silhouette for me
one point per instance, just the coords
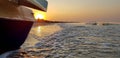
(16, 21)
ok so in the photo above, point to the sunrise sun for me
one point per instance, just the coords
(39, 15)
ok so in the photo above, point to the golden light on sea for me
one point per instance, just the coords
(39, 14)
(39, 29)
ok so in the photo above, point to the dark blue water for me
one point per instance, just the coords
(71, 40)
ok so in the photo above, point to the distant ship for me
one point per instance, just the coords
(16, 20)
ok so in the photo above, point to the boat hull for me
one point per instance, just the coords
(13, 33)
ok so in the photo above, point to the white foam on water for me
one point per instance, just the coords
(4, 55)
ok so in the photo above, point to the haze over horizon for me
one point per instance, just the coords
(84, 10)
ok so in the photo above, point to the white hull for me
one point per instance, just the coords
(15, 23)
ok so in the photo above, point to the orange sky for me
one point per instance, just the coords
(84, 10)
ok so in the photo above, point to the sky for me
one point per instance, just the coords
(84, 10)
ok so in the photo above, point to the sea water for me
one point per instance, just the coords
(71, 40)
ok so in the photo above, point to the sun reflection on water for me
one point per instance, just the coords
(38, 29)
(39, 32)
